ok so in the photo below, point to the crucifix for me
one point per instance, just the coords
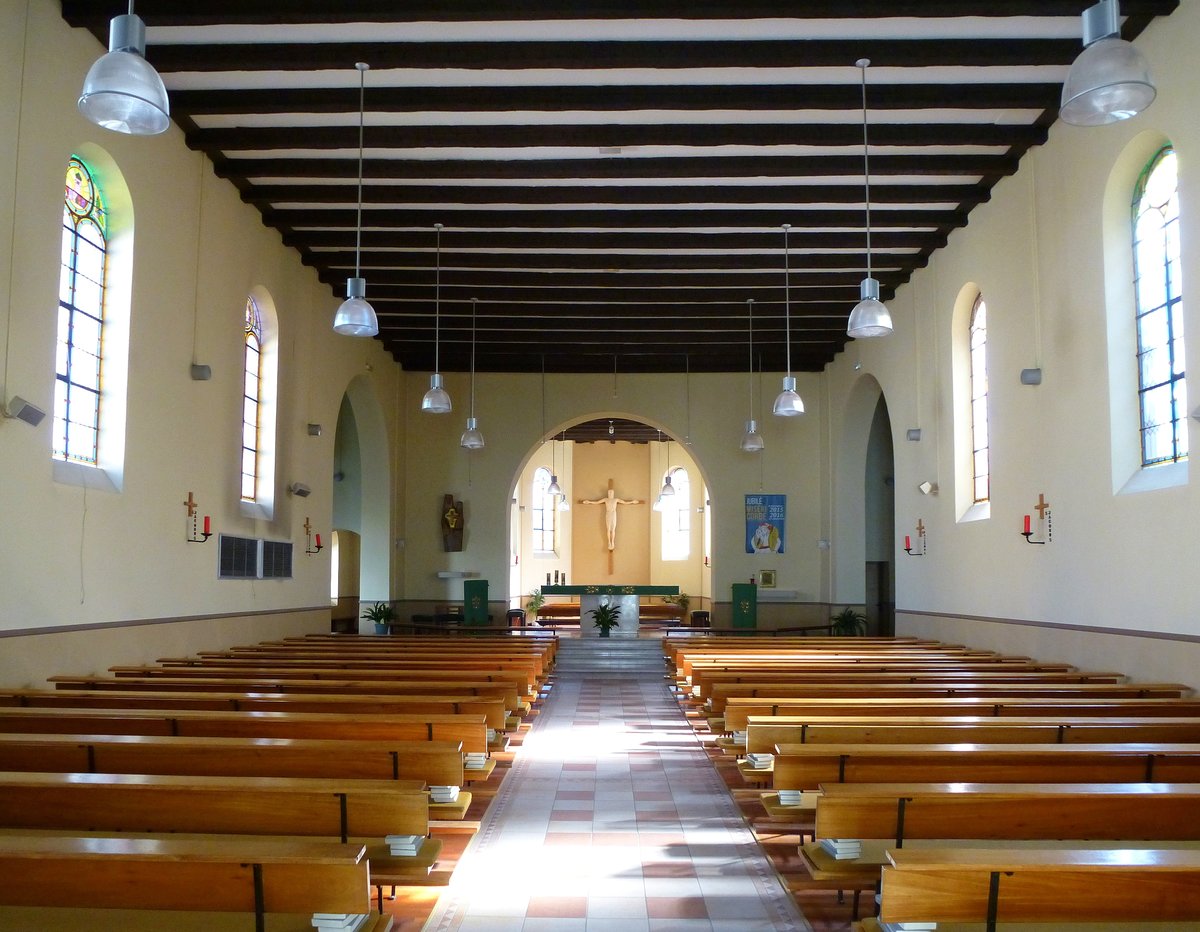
(307, 527)
(920, 528)
(610, 503)
(191, 505)
(1041, 507)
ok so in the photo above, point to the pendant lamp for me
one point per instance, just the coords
(563, 504)
(122, 91)
(554, 488)
(472, 439)
(870, 317)
(355, 317)
(436, 401)
(752, 441)
(1110, 80)
(667, 490)
(787, 402)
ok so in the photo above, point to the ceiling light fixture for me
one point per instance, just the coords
(667, 490)
(355, 317)
(1110, 80)
(436, 401)
(122, 91)
(553, 488)
(752, 441)
(787, 402)
(472, 439)
(870, 317)
(563, 504)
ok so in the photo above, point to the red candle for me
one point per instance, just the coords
(1027, 524)
(318, 541)
(207, 525)
(907, 542)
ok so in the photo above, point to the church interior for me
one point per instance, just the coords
(1005, 468)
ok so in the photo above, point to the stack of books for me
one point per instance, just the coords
(338, 922)
(443, 794)
(760, 761)
(491, 735)
(404, 846)
(842, 849)
(475, 760)
(739, 737)
(907, 926)
(696, 691)
(790, 797)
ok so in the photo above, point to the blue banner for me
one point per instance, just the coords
(764, 523)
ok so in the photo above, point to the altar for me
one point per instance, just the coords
(626, 598)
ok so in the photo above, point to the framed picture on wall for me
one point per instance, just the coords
(766, 579)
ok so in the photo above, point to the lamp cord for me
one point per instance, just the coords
(437, 304)
(473, 302)
(787, 298)
(362, 67)
(750, 310)
(864, 63)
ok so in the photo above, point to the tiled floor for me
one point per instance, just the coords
(613, 818)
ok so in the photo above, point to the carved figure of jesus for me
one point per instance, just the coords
(610, 503)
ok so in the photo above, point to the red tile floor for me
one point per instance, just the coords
(613, 817)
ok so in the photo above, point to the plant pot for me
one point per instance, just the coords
(381, 627)
(604, 632)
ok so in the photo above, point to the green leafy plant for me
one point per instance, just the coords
(683, 600)
(605, 618)
(848, 623)
(535, 602)
(381, 613)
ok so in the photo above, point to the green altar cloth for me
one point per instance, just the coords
(610, 590)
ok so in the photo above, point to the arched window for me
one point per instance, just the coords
(81, 299)
(544, 514)
(251, 401)
(677, 518)
(980, 456)
(1158, 292)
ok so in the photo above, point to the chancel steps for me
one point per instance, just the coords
(625, 655)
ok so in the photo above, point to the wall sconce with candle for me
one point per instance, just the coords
(1044, 522)
(194, 535)
(309, 537)
(908, 547)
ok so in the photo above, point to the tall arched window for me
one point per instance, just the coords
(81, 296)
(251, 401)
(544, 514)
(677, 518)
(980, 455)
(1158, 291)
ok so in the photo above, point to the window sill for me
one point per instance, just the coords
(980, 511)
(87, 477)
(1154, 478)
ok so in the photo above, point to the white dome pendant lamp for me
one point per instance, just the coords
(870, 317)
(436, 401)
(122, 91)
(1110, 80)
(472, 439)
(787, 402)
(752, 441)
(355, 317)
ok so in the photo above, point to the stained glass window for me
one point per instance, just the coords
(677, 518)
(980, 455)
(81, 291)
(1158, 290)
(251, 401)
(544, 512)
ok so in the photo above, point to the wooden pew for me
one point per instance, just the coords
(434, 762)
(337, 661)
(806, 766)
(1041, 885)
(259, 875)
(492, 710)
(763, 732)
(1094, 811)
(469, 730)
(739, 710)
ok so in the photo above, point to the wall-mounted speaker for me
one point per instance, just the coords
(300, 489)
(23, 410)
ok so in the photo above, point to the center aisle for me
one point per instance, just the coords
(613, 818)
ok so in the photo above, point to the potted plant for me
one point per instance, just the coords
(848, 623)
(605, 618)
(381, 613)
(683, 600)
(535, 602)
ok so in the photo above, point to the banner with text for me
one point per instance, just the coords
(764, 523)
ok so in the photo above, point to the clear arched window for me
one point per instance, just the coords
(543, 513)
(81, 296)
(980, 456)
(251, 401)
(677, 518)
(1158, 291)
